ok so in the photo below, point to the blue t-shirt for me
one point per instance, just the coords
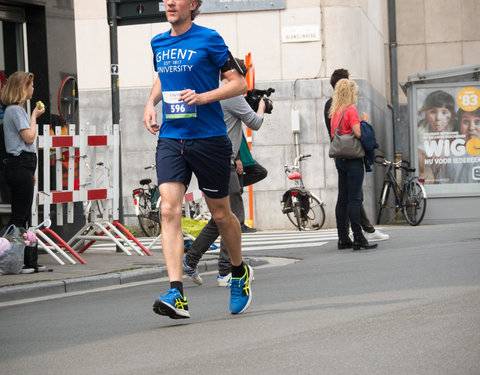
(14, 120)
(189, 61)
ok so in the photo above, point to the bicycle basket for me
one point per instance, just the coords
(287, 202)
(303, 198)
(154, 198)
(305, 204)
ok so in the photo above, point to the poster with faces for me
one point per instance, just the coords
(448, 134)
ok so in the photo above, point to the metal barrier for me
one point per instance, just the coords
(98, 181)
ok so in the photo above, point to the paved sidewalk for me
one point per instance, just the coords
(103, 268)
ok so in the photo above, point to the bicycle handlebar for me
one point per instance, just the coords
(296, 162)
(300, 158)
(379, 159)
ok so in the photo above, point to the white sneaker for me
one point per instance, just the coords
(378, 235)
(26, 269)
(192, 273)
(224, 280)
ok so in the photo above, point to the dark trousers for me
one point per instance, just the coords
(367, 226)
(349, 202)
(19, 175)
(210, 232)
(364, 222)
(252, 174)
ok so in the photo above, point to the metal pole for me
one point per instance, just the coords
(392, 37)
(114, 73)
(297, 146)
(112, 21)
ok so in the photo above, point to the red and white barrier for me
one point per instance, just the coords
(86, 190)
(47, 243)
(194, 200)
(83, 150)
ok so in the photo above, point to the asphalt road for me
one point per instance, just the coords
(409, 307)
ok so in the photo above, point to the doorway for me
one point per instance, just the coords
(12, 58)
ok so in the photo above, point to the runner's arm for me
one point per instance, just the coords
(235, 85)
(149, 114)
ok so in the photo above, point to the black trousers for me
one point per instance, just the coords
(19, 175)
(252, 174)
(349, 201)
(364, 222)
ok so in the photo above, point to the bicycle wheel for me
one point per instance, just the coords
(414, 203)
(148, 218)
(387, 211)
(315, 217)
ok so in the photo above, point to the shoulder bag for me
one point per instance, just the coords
(345, 146)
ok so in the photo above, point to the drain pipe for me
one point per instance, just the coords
(392, 43)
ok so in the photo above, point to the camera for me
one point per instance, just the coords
(254, 96)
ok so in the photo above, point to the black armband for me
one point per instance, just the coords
(232, 64)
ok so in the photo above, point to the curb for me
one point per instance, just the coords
(48, 288)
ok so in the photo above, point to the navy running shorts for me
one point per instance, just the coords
(208, 158)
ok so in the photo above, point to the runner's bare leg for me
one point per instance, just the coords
(228, 226)
(172, 237)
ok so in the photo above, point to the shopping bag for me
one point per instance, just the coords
(192, 227)
(12, 248)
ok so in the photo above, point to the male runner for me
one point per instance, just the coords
(193, 138)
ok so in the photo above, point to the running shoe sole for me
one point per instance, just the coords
(163, 308)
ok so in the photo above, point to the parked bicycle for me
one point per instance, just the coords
(303, 208)
(409, 197)
(146, 200)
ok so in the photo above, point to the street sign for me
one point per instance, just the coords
(220, 6)
(135, 12)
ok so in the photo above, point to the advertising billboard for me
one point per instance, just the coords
(447, 127)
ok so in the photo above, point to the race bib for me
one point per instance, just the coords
(176, 109)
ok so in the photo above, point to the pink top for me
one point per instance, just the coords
(350, 118)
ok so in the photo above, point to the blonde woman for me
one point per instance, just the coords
(20, 132)
(344, 116)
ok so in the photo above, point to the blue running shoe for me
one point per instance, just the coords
(192, 273)
(172, 304)
(241, 292)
